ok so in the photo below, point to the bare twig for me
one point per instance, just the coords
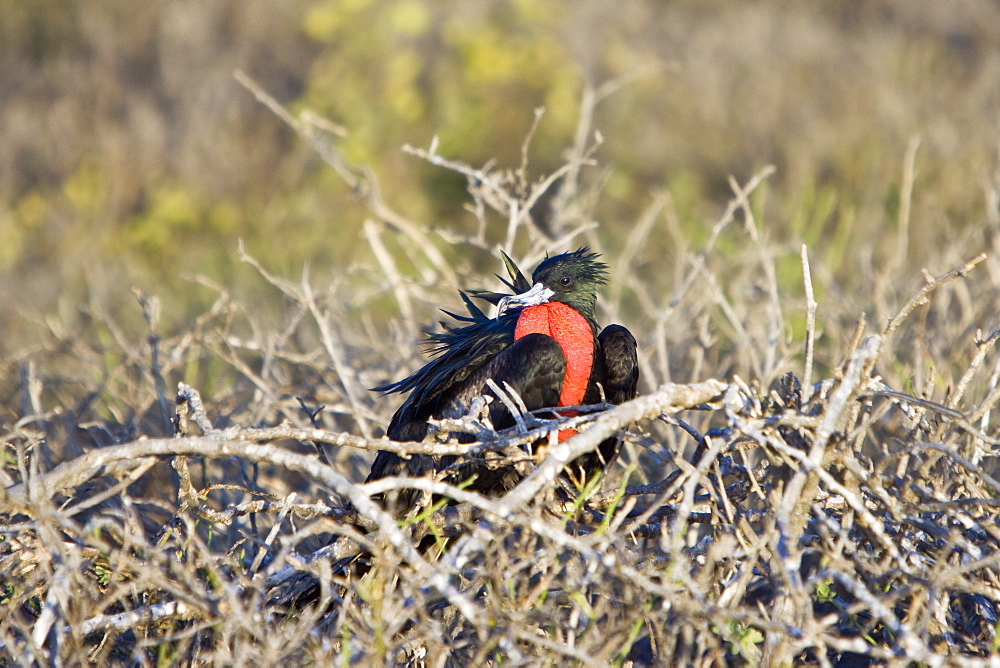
(810, 325)
(668, 398)
(930, 285)
(775, 321)
(362, 180)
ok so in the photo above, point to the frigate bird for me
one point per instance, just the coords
(544, 344)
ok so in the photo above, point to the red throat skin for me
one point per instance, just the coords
(573, 334)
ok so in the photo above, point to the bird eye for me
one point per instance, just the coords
(566, 281)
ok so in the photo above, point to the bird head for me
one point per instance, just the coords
(571, 278)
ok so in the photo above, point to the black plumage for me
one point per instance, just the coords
(477, 348)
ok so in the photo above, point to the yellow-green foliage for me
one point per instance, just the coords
(133, 158)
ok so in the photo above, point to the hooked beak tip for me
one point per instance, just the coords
(502, 306)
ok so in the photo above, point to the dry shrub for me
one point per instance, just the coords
(788, 519)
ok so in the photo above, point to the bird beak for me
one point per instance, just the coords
(538, 294)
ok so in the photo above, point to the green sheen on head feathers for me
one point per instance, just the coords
(585, 260)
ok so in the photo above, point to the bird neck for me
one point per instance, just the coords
(574, 334)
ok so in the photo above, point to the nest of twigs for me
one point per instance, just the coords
(823, 524)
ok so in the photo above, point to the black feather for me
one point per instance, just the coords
(475, 348)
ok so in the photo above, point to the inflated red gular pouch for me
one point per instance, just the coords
(573, 334)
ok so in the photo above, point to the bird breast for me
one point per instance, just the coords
(573, 334)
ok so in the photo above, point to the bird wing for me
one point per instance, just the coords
(460, 352)
(621, 364)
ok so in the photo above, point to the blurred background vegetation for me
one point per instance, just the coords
(131, 158)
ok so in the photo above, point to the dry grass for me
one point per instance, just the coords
(850, 517)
